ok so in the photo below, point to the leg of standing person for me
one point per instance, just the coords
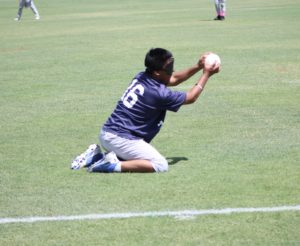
(222, 9)
(20, 9)
(217, 9)
(34, 10)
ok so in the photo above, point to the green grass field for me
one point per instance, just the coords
(237, 147)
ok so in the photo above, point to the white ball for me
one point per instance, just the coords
(211, 59)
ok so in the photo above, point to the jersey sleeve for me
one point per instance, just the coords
(171, 100)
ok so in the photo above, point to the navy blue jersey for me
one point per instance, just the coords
(141, 111)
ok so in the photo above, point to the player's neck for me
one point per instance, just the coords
(158, 77)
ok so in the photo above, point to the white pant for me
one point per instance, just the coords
(27, 3)
(133, 150)
(220, 7)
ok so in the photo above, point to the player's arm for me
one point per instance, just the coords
(183, 75)
(193, 94)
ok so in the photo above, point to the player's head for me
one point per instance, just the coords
(159, 59)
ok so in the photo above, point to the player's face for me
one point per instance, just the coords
(169, 66)
(167, 71)
(164, 77)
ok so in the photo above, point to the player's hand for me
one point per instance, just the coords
(211, 69)
(201, 62)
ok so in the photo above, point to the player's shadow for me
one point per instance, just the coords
(204, 20)
(175, 160)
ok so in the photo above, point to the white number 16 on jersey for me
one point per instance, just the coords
(130, 97)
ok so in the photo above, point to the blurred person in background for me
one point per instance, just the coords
(27, 4)
(220, 9)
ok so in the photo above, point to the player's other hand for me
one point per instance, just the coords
(202, 58)
(210, 69)
(201, 62)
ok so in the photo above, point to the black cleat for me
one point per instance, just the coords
(219, 17)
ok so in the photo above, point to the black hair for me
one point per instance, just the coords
(156, 58)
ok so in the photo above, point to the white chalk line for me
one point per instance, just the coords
(175, 214)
